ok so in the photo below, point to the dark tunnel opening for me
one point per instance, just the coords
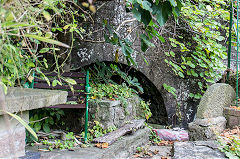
(151, 93)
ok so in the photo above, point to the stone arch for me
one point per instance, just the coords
(180, 110)
(151, 93)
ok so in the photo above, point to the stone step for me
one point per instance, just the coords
(122, 148)
(197, 150)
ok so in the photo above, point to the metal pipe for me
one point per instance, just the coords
(87, 88)
(230, 41)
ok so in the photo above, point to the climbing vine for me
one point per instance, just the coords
(201, 58)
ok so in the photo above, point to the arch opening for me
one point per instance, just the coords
(151, 93)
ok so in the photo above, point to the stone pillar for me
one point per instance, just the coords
(12, 134)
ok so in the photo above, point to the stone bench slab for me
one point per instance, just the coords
(23, 99)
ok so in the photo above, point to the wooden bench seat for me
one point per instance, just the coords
(77, 97)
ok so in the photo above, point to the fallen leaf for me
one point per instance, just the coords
(155, 152)
(104, 145)
(164, 157)
(150, 154)
(98, 145)
(136, 156)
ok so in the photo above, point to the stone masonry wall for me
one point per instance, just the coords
(232, 116)
(157, 71)
(112, 113)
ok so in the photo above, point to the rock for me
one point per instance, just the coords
(210, 120)
(172, 135)
(217, 97)
(197, 150)
(206, 129)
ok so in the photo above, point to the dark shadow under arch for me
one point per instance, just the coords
(151, 93)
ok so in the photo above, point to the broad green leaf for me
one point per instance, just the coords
(37, 126)
(194, 73)
(54, 83)
(47, 15)
(167, 53)
(51, 41)
(70, 80)
(191, 95)
(46, 128)
(145, 40)
(15, 25)
(23, 123)
(145, 17)
(44, 50)
(161, 38)
(136, 14)
(162, 11)
(147, 5)
(10, 17)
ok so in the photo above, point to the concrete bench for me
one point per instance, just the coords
(20, 101)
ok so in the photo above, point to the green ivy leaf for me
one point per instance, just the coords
(189, 63)
(181, 74)
(147, 6)
(172, 54)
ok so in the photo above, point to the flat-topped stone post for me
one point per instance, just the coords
(20, 101)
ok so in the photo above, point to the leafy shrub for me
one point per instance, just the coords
(96, 131)
(43, 119)
(111, 91)
(231, 148)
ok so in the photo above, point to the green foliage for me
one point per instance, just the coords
(144, 11)
(170, 89)
(110, 91)
(153, 136)
(102, 73)
(231, 148)
(96, 131)
(27, 34)
(146, 112)
(202, 58)
(69, 143)
(43, 119)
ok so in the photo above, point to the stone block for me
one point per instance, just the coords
(197, 150)
(112, 113)
(217, 97)
(233, 117)
(206, 129)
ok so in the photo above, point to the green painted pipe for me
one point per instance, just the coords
(230, 42)
(87, 89)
